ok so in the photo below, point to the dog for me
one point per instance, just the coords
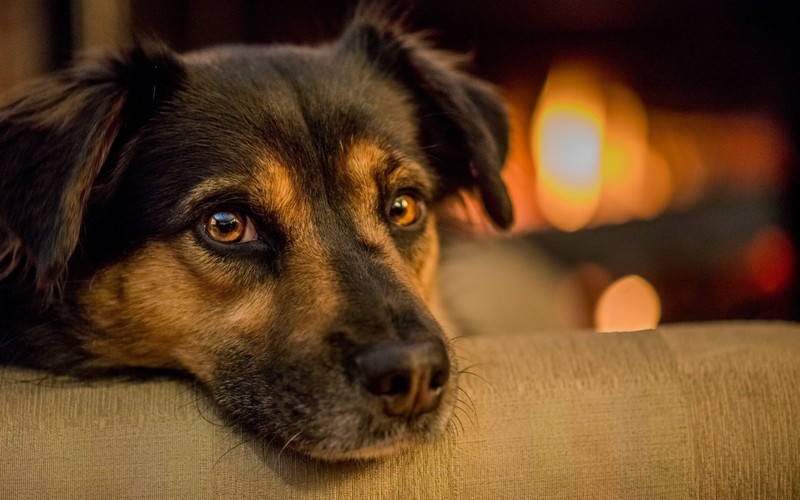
(262, 219)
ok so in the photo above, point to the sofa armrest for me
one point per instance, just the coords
(686, 411)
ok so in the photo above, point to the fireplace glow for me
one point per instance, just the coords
(567, 138)
(771, 260)
(629, 304)
(592, 155)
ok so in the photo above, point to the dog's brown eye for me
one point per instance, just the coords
(406, 210)
(228, 226)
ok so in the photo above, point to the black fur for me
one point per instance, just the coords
(96, 163)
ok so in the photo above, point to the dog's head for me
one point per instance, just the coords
(263, 218)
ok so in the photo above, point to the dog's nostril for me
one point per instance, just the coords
(408, 376)
(399, 385)
(390, 384)
(439, 379)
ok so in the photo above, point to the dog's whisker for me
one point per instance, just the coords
(468, 410)
(469, 405)
(268, 444)
(203, 416)
(237, 445)
(470, 370)
(187, 403)
(467, 361)
(197, 400)
(458, 421)
(458, 337)
(468, 414)
(467, 371)
(452, 428)
(479, 377)
(191, 386)
(229, 272)
(285, 446)
(475, 365)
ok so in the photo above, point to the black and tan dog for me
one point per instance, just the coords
(260, 218)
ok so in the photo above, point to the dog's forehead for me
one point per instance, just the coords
(283, 121)
(250, 116)
(297, 199)
(296, 99)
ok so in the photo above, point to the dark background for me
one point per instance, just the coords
(681, 55)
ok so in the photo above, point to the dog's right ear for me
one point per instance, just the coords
(56, 136)
(463, 127)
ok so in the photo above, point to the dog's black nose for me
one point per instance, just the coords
(409, 376)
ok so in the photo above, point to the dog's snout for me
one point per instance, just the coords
(408, 376)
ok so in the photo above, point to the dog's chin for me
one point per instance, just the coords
(401, 437)
(334, 428)
(372, 452)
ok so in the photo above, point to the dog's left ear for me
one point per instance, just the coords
(463, 124)
(56, 137)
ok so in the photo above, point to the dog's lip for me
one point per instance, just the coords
(390, 435)
(338, 419)
(372, 451)
(407, 433)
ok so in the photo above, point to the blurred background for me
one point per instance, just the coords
(654, 148)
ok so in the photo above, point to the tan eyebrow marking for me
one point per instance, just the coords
(280, 193)
(270, 187)
(364, 166)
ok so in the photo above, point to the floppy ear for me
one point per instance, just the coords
(463, 124)
(54, 140)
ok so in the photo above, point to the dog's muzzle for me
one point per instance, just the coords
(409, 376)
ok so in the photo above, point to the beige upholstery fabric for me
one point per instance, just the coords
(691, 411)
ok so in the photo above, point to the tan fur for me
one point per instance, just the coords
(362, 164)
(207, 304)
(210, 305)
(149, 324)
(366, 163)
(275, 187)
(312, 328)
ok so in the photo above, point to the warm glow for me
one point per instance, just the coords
(592, 153)
(567, 137)
(771, 260)
(657, 190)
(629, 304)
(624, 165)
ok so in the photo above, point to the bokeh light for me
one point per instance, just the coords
(567, 138)
(592, 153)
(771, 260)
(629, 304)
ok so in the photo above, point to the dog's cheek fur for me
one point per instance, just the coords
(412, 262)
(171, 305)
(424, 260)
(261, 342)
(298, 389)
(302, 396)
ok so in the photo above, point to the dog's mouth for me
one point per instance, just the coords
(390, 397)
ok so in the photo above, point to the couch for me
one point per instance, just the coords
(685, 411)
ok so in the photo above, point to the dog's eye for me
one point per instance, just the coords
(406, 210)
(230, 226)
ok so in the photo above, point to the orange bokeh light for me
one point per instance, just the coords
(567, 137)
(629, 304)
(771, 260)
(592, 155)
